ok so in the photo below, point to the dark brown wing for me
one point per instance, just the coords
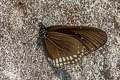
(91, 36)
(66, 45)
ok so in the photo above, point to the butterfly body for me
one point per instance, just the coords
(68, 44)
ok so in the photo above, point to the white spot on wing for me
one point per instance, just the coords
(76, 60)
(68, 62)
(82, 50)
(71, 58)
(57, 65)
(64, 59)
(92, 48)
(61, 64)
(80, 56)
(67, 58)
(78, 52)
(60, 59)
(65, 63)
(56, 61)
(74, 55)
(73, 61)
(84, 47)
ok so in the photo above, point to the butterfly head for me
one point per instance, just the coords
(42, 30)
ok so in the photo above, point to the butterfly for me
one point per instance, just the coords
(68, 44)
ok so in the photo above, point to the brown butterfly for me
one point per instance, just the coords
(68, 44)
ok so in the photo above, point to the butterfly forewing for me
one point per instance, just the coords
(66, 45)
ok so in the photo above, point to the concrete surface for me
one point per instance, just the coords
(22, 59)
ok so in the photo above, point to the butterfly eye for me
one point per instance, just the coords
(63, 46)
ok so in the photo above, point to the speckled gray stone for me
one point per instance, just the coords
(22, 59)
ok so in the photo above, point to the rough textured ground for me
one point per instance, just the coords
(22, 59)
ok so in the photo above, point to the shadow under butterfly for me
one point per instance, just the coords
(66, 45)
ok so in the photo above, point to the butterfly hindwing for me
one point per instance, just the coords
(62, 48)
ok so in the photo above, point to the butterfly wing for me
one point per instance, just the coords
(63, 49)
(66, 45)
(91, 37)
